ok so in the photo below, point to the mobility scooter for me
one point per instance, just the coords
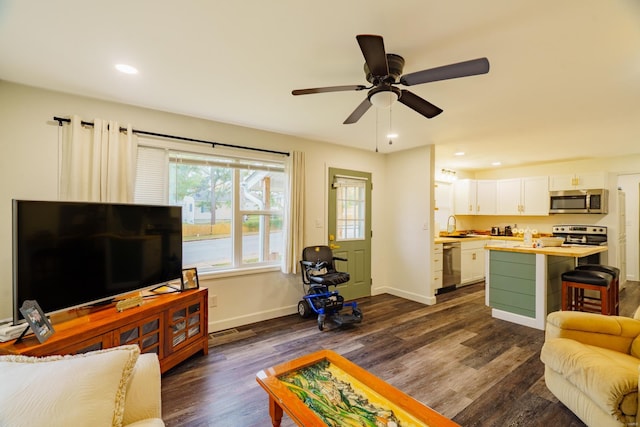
(318, 274)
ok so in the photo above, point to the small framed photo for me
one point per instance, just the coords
(36, 319)
(189, 279)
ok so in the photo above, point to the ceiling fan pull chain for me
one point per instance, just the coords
(390, 128)
(377, 115)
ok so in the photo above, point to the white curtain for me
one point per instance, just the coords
(98, 163)
(295, 217)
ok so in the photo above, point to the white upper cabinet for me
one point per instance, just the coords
(583, 181)
(486, 193)
(464, 197)
(535, 195)
(523, 196)
(508, 198)
(474, 197)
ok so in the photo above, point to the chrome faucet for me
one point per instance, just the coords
(451, 227)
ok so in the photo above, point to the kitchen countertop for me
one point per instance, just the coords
(566, 251)
(475, 237)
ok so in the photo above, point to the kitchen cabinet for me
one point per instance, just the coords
(464, 197)
(474, 197)
(486, 192)
(472, 262)
(582, 181)
(436, 266)
(523, 196)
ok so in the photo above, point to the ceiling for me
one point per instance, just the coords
(564, 80)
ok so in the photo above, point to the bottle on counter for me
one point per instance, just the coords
(528, 237)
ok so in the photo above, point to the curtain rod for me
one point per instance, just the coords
(60, 120)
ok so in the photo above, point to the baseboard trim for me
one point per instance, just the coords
(429, 300)
(517, 318)
(234, 322)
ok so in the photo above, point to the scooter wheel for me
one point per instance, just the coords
(357, 314)
(303, 309)
(321, 322)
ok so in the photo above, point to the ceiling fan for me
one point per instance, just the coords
(383, 69)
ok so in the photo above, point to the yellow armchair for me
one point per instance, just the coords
(592, 366)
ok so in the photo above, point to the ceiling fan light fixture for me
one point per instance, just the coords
(383, 98)
(126, 69)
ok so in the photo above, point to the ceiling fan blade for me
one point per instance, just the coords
(372, 48)
(452, 71)
(418, 104)
(327, 89)
(358, 112)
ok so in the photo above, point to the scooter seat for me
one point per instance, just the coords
(331, 279)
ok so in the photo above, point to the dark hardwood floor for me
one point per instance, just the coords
(452, 356)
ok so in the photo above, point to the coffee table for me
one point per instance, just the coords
(324, 388)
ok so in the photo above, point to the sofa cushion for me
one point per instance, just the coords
(85, 389)
(143, 397)
(612, 332)
(608, 377)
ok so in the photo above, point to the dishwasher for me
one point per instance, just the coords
(451, 263)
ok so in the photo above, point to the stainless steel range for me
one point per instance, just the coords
(592, 235)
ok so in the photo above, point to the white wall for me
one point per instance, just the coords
(28, 137)
(410, 235)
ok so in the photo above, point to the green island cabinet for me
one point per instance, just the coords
(523, 285)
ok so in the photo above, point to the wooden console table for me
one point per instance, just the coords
(285, 390)
(173, 325)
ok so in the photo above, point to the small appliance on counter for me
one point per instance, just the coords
(495, 231)
(507, 231)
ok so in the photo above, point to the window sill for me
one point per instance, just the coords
(219, 274)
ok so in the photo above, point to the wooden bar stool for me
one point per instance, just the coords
(576, 282)
(614, 296)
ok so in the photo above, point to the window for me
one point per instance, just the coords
(350, 208)
(232, 208)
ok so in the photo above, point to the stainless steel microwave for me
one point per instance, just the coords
(579, 201)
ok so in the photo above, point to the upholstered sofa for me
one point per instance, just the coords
(591, 366)
(112, 387)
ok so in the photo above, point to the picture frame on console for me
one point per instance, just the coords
(37, 320)
(189, 279)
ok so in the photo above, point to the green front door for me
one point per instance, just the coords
(349, 226)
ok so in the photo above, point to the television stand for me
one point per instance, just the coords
(173, 325)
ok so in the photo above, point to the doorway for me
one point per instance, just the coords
(349, 227)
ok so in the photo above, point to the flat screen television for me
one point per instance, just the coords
(71, 254)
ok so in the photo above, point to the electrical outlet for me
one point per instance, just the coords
(213, 300)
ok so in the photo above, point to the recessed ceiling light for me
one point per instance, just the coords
(459, 153)
(496, 163)
(127, 69)
(392, 135)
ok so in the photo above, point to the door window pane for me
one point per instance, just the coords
(350, 208)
